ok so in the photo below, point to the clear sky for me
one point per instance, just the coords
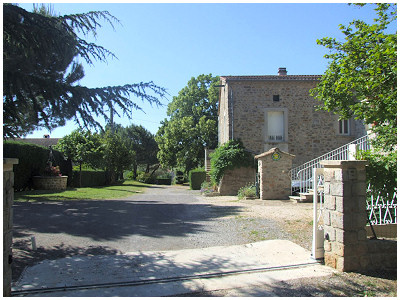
(169, 43)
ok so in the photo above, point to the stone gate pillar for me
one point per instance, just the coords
(8, 198)
(345, 218)
(273, 167)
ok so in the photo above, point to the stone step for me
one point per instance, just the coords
(306, 197)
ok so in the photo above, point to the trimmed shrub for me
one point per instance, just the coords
(196, 178)
(89, 178)
(32, 162)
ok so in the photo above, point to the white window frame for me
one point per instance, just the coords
(285, 124)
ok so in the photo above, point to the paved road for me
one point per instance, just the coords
(162, 218)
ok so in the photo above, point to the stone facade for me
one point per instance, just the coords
(243, 111)
(234, 179)
(273, 167)
(50, 182)
(8, 199)
(346, 245)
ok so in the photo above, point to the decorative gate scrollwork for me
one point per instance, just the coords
(318, 219)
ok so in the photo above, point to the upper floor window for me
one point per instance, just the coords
(275, 125)
(344, 127)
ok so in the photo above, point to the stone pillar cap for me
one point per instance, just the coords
(272, 151)
(10, 161)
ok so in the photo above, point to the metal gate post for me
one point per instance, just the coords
(318, 231)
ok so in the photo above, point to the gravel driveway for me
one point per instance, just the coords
(162, 218)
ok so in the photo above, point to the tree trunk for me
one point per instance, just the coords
(80, 174)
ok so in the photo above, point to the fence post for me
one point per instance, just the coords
(8, 198)
(353, 148)
(345, 242)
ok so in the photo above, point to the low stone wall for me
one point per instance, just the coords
(50, 182)
(234, 179)
(346, 245)
(383, 231)
(382, 255)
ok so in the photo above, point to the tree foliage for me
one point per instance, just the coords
(192, 124)
(142, 141)
(41, 72)
(228, 156)
(361, 79)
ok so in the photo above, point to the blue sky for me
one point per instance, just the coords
(169, 43)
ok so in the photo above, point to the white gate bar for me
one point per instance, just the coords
(317, 251)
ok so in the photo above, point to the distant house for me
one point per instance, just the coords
(277, 111)
(46, 141)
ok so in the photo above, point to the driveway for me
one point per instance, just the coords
(162, 218)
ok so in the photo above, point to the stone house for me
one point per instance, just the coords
(277, 111)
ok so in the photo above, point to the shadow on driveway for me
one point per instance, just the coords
(115, 219)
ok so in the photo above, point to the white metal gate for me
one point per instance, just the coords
(318, 220)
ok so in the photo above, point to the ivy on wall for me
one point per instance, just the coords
(229, 156)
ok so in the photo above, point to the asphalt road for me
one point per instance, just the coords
(162, 218)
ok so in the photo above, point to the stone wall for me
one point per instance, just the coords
(346, 245)
(50, 182)
(234, 179)
(310, 133)
(8, 199)
(273, 167)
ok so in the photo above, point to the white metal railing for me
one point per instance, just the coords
(382, 209)
(302, 175)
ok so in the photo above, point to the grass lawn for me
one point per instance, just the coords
(87, 193)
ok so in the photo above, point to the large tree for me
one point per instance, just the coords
(41, 72)
(82, 147)
(193, 124)
(143, 143)
(361, 79)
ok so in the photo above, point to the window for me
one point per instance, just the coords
(344, 127)
(275, 125)
(275, 98)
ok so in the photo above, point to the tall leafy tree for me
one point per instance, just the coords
(117, 156)
(41, 72)
(81, 147)
(361, 81)
(143, 143)
(193, 124)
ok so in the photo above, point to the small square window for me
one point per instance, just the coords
(275, 98)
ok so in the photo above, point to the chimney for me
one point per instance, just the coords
(282, 71)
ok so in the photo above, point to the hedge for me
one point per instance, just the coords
(32, 162)
(196, 178)
(89, 178)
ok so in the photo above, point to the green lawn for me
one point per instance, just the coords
(87, 193)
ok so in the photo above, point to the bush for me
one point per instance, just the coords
(32, 162)
(146, 178)
(247, 191)
(179, 177)
(89, 178)
(196, 178)
(228, 156)
(381, 172)
(208, 188)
